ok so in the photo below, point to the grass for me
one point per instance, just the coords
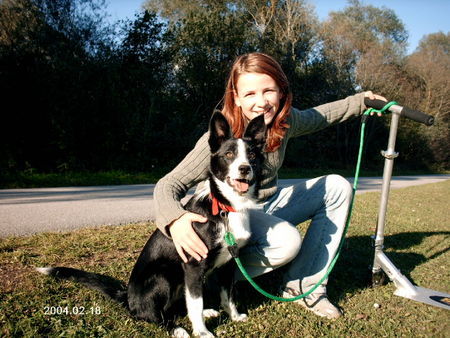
(417, 241)
(31, 179)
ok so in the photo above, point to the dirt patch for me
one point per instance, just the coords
(13, 276)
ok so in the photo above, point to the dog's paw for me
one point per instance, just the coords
(240, 317)
(179, 332)
(203, 334)
(210, 313)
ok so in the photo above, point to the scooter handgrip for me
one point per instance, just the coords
(377, 104)
(409, 113)
(417, 116)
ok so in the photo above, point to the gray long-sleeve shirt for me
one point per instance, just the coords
(194, 168)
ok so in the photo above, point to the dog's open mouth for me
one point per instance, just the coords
(240, 185)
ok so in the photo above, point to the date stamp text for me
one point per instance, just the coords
(72, 310)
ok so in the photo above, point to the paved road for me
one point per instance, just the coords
(28, 211)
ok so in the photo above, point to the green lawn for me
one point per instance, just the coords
(32, 179)
(417, 241)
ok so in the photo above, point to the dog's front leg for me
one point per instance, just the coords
(194, 301)
(226, 281)
(227, 303)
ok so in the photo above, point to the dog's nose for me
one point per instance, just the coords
(244, 169)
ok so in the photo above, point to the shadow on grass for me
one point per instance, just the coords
(352, 272)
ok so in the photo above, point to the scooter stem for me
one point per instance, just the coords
(390, 154)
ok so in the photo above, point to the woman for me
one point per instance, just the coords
(257, 85)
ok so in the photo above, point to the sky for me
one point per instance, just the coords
(420, 17)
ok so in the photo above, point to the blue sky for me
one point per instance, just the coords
(420, 17)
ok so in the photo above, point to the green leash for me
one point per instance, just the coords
(231, 241)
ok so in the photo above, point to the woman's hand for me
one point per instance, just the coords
(373, 96)
(186, 239)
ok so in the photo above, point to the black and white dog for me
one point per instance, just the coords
(159, 276)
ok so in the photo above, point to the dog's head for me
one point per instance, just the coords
(236, 163)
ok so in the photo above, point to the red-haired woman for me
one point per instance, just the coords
(258, 85)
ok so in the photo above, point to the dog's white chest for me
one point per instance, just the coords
(239, 226)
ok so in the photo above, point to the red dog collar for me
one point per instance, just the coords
(217, 206)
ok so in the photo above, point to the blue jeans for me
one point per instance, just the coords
(275, 240)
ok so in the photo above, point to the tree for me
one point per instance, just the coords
(430, 66)
(80, 94)
(363, 46)
(143, 73)
(175, 11)
(431, 62)
(205, 45)
(360, 39)
(44, 52)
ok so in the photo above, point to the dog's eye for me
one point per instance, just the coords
(229, 154)
(251, 155)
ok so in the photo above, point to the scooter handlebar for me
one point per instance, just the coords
(409, 113)
(418, 116)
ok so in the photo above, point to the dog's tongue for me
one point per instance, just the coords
(240, 186)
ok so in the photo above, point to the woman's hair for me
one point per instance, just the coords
(263, 64)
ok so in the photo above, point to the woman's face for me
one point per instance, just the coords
(256, 94)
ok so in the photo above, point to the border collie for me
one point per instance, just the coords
(159, 276)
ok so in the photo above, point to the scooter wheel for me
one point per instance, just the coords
(378, 278)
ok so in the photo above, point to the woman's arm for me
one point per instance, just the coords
(314, 119)
(173, 187)
(171, 218)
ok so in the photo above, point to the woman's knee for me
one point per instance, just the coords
(338, 188)
(285, 241)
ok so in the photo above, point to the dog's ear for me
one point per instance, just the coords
(256, 131)
(219, 131)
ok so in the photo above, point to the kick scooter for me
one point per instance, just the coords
(382, 266)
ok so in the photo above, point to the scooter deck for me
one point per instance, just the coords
(427, 296)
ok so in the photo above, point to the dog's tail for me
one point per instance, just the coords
(109, 286)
